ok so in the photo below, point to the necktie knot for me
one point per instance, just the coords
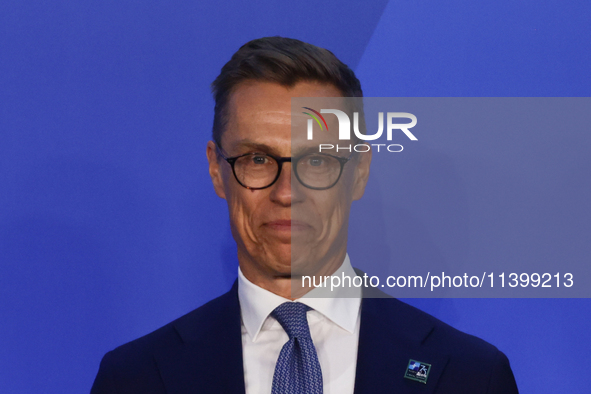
(292, 317)
(297, 370)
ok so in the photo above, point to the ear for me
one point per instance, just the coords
(215, 172)
(361, 174)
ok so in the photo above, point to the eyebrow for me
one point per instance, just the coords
(252, 145)
(303, 150)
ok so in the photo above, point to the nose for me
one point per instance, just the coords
(281, 191)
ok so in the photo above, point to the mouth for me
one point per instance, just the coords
(288, 225)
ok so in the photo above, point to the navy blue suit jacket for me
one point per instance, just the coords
(201, 352)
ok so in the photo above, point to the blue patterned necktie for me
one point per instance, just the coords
(297, 370)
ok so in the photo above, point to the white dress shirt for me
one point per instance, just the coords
(334, 327)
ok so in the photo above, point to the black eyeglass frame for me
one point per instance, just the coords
(280, 161)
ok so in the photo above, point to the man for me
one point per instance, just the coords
(289, 209)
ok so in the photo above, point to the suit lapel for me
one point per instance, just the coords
(208, 359)
(391, 334)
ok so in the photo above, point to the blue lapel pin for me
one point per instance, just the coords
(417, 370)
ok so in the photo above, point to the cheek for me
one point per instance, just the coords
(244, 208)
(336, 219)
(338, 208)
(329, 212)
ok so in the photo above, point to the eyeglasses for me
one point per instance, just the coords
(318, 171)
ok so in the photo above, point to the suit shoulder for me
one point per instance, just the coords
(468, 364)
(137, 366)
(138, 355)
(431, 331)
(469, 356)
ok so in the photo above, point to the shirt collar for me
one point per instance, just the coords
(256, 303)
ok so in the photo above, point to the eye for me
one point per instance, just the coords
(316, 161)
(260, 159)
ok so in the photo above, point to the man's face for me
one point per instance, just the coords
(285, 224)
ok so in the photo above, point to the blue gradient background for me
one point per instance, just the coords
(109, 227)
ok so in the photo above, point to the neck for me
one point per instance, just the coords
(287, 284)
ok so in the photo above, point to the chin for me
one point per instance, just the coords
(304, 263)
(279, 260)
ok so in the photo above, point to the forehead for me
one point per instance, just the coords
(260, 112)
